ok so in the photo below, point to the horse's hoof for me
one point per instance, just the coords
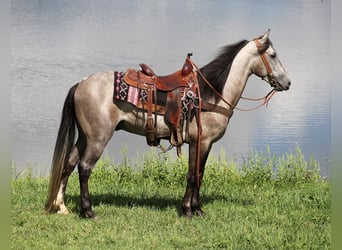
(199, 212)
(88, 214)
(62, 209)
(64, 212)
(94, 217)
(186, 212)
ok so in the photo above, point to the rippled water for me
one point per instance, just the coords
(57, 43)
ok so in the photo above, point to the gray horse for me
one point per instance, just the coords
(90, 107)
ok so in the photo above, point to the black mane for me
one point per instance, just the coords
(217, 71)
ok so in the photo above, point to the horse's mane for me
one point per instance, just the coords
(217, 71)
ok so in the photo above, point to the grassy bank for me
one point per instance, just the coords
(265, 202)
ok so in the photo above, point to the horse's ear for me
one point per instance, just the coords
(264, 37)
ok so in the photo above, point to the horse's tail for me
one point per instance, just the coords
(64, 142)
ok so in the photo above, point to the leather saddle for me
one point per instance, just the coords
(174, 85)
(170, 82)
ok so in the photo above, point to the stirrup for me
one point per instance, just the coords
(164, 150)
(176, 138)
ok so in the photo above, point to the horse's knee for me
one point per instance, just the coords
(84, 170)
(191, 179)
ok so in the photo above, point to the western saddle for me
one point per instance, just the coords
(182, 95)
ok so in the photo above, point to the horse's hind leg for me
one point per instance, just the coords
(73, 160)
(91, 154)
(69, 167)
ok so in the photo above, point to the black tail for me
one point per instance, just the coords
(64, 143)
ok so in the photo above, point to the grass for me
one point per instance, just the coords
(264, 202)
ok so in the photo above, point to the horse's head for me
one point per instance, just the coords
(268, 65)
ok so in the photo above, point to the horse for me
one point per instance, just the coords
(90, 110)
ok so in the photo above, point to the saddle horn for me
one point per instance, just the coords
(187, 67)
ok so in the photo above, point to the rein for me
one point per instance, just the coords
(265, 99)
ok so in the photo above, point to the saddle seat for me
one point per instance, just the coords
(167, 83)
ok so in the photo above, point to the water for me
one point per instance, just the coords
(57, 43)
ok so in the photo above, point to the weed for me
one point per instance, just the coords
(267, 202)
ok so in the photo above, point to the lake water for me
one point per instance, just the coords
(58, 42)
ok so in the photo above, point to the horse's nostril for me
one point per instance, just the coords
(289, 84)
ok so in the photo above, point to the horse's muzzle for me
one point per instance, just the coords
(280, 87)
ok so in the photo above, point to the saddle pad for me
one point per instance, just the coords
(136, 96)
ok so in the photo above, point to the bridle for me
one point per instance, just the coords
(272, 81)
(270, 75)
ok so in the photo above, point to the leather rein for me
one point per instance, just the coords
(265, 99)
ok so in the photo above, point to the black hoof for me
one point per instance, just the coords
(186, 212)
(199, 212)
(87, 214)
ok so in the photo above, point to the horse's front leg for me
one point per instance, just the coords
(191, 201)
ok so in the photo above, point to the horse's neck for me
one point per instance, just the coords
(238, 76)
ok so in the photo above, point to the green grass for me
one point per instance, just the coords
(265, 202)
